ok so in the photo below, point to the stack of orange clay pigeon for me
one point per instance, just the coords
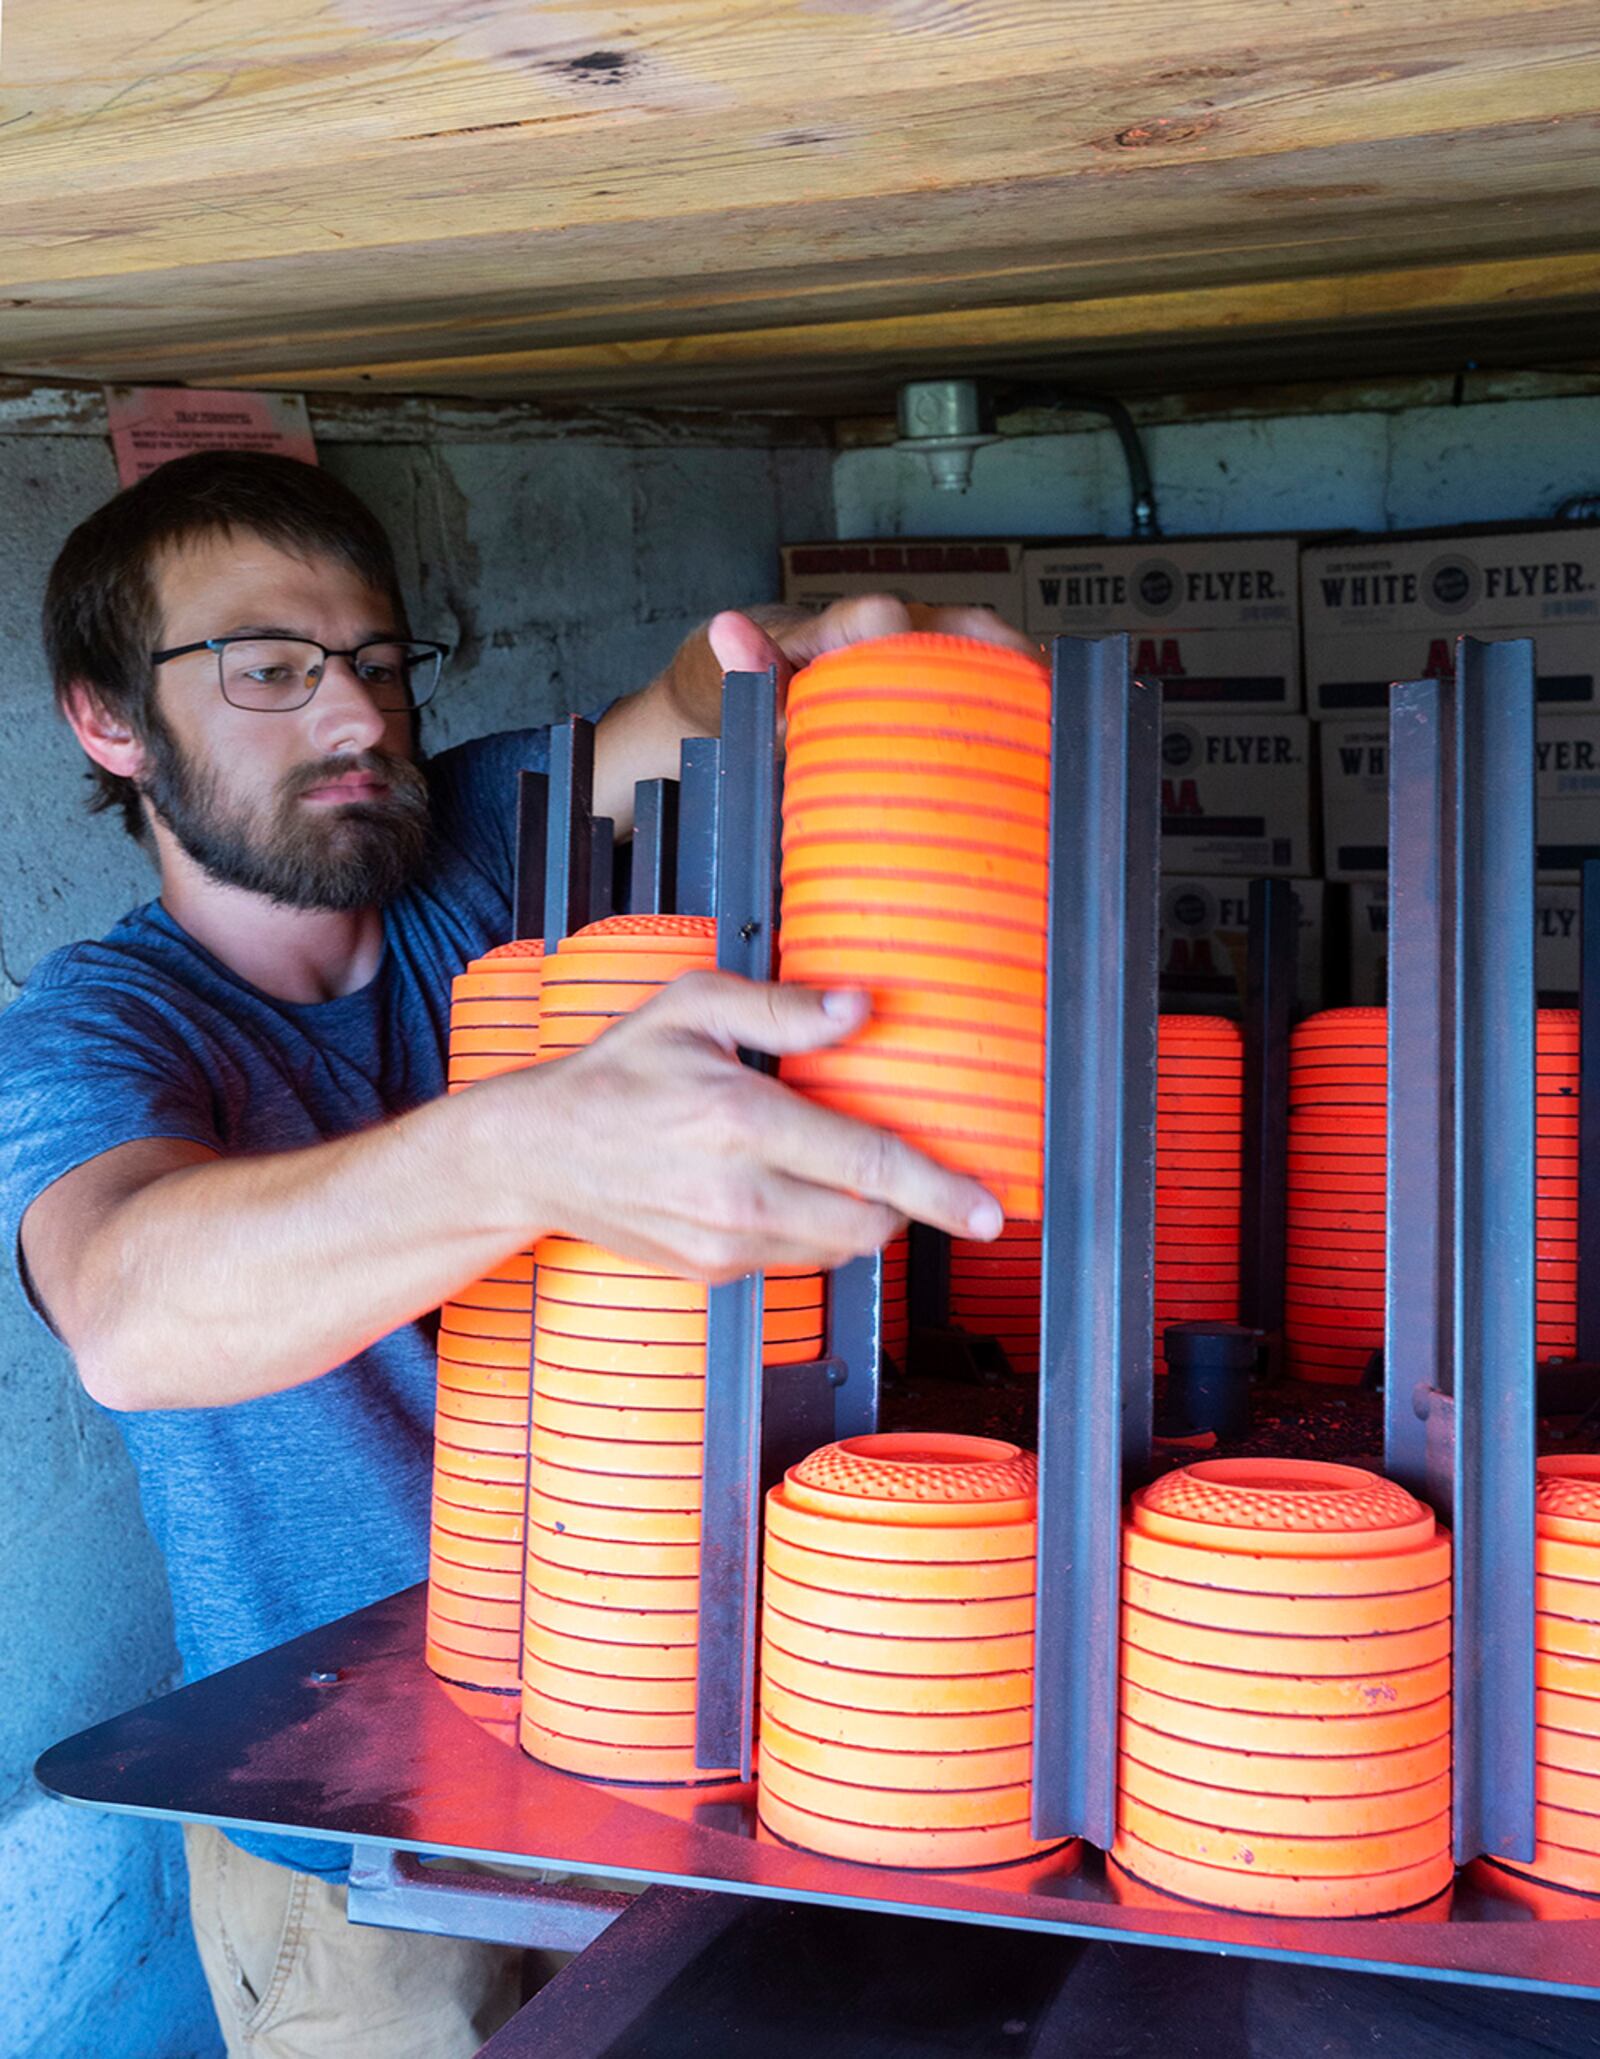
(994, 1292)
(994, 1288)
(915, 822)
(896, 1300)
(1199, 1168)
(897, 1652)
(474, 1616)
(1556, 1172)
(1338, 1156)
(1285, 1744)
(610, 1624)
(1567, 1676)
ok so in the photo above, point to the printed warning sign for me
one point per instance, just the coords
(150, 424)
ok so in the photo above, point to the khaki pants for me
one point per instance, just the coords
(292, 1979)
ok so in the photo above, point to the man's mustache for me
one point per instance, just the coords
(406, 783)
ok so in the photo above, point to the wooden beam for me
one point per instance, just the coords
(1282, 306)
(698, 197)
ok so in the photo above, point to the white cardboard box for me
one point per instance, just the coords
(1385, 608)
(1355, 795)
(961, 572)
(1216, 621)
(1555, 944)
(1205, 935)
(1236, 796)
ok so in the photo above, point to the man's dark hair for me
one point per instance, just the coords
(101, 618)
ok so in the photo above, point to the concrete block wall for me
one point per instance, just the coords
(1375, 470)
(565, 571)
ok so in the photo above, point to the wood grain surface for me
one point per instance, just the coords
(787, 200)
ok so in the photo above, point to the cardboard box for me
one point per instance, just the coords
(1355, 799)
(1355, 795)
(1389, 608)
(961, 573)
(1555, 945)
(1205, 935)
(1236, 796)
(1217, 621)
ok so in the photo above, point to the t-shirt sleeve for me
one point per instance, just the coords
(84, 1068)
(475, 794)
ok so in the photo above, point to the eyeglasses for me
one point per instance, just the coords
(274, 675)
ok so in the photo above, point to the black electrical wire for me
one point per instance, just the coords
(1010, 398)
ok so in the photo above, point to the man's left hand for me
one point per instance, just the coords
(789, 638)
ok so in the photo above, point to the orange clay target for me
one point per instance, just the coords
(655, 1766)
(1373, 1894)
(1320, 1816)
(607, 1726)
(935, 1478)
(873, 1845)
(962, 1808)
(617, 1696)
(616, 1557)
(603, 1589)
(1373, 1773)
(578, 1654)
(898, 1654)
(1293, 1736)
(1293, 1507)
(855, 1529)
(896, 1730)
(873, 1615)
(620, 1526)
(1298, 1857)
(865, 1653)
(1218, 1608)
(935, 1770)
(638, 1493)
(907, 1694)
(1559, 1866)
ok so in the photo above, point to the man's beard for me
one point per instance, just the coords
(340, 857)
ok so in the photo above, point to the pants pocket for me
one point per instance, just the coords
(260, 1914)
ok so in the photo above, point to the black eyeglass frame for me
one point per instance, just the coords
(218, 644)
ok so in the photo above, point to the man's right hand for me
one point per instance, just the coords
(657, 1143)
(181, 1279)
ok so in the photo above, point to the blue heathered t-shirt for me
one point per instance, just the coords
(278, 1514)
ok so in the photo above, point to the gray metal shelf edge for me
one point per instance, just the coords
(380, 1755)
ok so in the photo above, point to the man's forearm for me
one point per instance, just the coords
(239, 1277)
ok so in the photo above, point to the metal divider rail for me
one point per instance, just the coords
(1097, 1316)
(1459, 1331)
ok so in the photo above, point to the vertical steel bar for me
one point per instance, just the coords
(1459, 1323)
(602, 863)
(1495, 1352)
(571, 839)
(1420, 1030)
(698, 761)
(1268, 1009)
(527, 921)
(855, 1339)
(1097, 1315)
(746, 896)
(1589, 1116)
(927, 1278)
(533, 818)
(653, 882)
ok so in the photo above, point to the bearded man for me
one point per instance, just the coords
(233, 1184)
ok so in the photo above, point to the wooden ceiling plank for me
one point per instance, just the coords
(1045, 115)
(1269, 304)
(464, 196)
(577, 287)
